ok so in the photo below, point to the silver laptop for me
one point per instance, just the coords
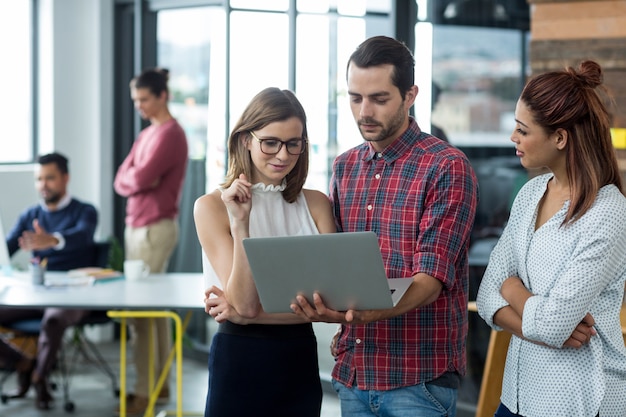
(345, 268)
(5, 259)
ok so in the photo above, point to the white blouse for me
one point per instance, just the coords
(271, 215)
(571, 270)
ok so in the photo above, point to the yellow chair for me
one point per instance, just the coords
(491, 384)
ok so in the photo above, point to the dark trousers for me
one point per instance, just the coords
(502, 411)
(54, 321)
(263, 377)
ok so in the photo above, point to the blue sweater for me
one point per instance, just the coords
(76, 223)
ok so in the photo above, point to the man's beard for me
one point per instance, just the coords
(393, 126)
(52, 198)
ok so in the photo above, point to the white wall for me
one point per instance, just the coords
(17, 186)
(75, 107)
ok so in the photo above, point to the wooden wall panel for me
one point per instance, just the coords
(547, 55)
(588, 19)
(565, 32)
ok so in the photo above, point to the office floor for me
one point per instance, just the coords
(93, 396)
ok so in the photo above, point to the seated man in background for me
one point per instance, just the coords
(61, 229)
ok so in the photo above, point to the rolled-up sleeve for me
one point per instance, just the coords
(446, 222)
(501, 266)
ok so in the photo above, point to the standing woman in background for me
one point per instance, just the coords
(555, 280)
(151, 177)
(260, 364)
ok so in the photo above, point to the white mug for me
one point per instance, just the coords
(135, 269)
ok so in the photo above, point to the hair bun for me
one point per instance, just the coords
(163, 71)
(589, 73)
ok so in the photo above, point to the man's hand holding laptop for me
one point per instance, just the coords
(423, 291)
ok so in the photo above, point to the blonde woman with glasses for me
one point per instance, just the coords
(260, 364)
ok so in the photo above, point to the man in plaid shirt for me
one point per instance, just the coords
(419, 195)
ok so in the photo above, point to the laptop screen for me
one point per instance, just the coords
(5, 260)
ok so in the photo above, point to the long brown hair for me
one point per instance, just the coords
(268, 106)
(574, 100)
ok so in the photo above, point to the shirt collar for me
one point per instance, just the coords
(64, 202)
(398, 147)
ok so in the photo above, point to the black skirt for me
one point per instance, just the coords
(264, 370)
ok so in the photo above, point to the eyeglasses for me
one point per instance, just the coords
(273, 146)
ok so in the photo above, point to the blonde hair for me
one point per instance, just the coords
(268, 106)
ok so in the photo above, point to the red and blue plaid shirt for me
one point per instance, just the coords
(419, 195)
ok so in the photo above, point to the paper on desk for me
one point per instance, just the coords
(94, 272)
(68, 281)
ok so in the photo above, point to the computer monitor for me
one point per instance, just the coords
(5, 259)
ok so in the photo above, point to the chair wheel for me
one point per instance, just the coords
(5, 398)
(69, 406)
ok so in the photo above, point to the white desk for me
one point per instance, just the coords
(158, 291)
(147, 298)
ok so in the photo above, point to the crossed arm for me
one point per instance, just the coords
(510, 317)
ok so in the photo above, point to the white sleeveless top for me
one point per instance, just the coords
(270, 215)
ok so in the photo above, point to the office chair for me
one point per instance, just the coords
(23, 334)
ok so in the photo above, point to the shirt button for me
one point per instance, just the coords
(379, 155)
(358, 341)
(369, 207)
(377, 176)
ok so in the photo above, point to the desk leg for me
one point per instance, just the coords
(152, 397)
(178, 350)
(122, 366)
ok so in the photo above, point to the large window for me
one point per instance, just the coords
(479, 81)
(307, 54)
(187, 55)
(16, 115)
